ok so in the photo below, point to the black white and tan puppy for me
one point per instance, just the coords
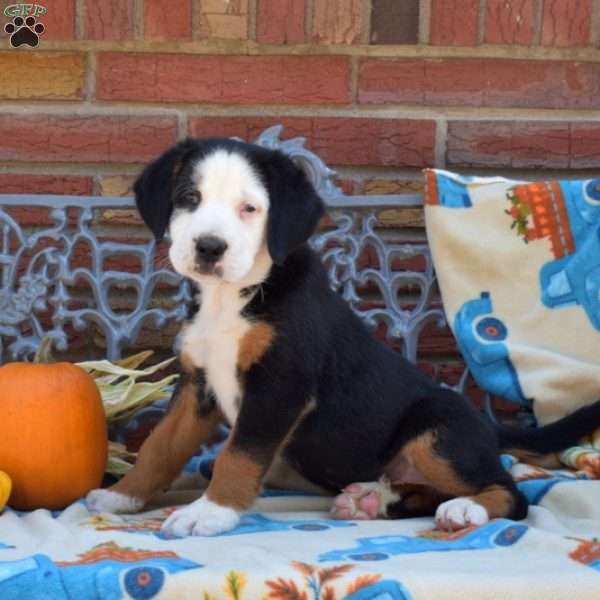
(313, 399)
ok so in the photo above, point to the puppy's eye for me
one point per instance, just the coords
(248, 208)
(189, 199)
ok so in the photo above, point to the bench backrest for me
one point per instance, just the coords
(64, 268)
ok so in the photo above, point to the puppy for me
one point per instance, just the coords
(313, 399)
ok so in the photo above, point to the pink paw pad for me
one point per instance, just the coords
(358, 501)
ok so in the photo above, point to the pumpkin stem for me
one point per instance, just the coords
(44, 352)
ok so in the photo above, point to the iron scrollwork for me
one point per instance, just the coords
(40, 278)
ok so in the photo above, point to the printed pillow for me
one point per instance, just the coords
(518, 265)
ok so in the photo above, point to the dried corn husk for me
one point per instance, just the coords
(123, 395)
(120, 460)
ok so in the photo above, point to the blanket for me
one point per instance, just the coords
(287, 548)
(519, 271)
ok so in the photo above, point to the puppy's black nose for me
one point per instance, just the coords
(210, 248)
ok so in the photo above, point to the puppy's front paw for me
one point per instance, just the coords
(459, 513)
(201, 517)
(112, 502)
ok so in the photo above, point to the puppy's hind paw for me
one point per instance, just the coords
(363, 501)
(459, 513)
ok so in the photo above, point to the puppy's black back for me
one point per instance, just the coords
(360, 386)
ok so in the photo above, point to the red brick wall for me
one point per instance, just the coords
(380, 88)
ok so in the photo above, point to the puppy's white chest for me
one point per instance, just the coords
(212, 341)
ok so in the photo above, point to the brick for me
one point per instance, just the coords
(109, 19)
(224, 79)
(336, 21)
(27, 216)
(454, 22)
(394, 22)
(166, 20)
(348, 186)
(435, 341)
(25, 183)
(280, 21)
(510, 22)
(117, 185)
(41, 75)
(129, 217)
(585, 145)
(543, 84)
(226, 19)
(59, 20)
(501, 144)
(566, 23)
(394, 186)
(339, 140)
(497, 83)
(248, 128)
(97, 138)
(401, 217)
(381, 81)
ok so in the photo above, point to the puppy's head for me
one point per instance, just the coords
(223, 202)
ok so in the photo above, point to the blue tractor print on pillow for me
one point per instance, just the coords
(574, 279)
(107, 572)
(567, 215)
(501, 532)
(481, 338)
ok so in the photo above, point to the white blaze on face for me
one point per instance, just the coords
(233, 207)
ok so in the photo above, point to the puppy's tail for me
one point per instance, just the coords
(555, 437)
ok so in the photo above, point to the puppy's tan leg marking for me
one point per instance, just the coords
(162, 455)
(462, 510)
(236, 478)
(236, 481)
(443, 477)
(498, 501)
(254, 344)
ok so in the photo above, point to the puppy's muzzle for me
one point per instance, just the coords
(209, 250)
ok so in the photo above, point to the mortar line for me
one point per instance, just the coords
(595, 24)
(138, 19)
(252, 18)
(424, 21)
(76, 108)
(80, 19)
(90, 77)
(481, 22)
(224, 48)
(537, 22)
(366, 12)
(309, 9)
(441, 136)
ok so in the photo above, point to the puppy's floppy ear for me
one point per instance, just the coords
(294, 206)
(154, 187)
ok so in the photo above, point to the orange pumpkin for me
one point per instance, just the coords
(53, 439)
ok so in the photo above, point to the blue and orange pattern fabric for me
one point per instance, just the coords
(296, 552)
(518, 265)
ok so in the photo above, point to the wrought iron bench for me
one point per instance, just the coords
(66, 272)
